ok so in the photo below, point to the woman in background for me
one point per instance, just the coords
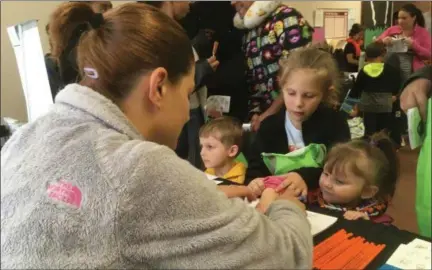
(410, 28)
(352, 49)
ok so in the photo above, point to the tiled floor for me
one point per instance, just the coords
(402, 208)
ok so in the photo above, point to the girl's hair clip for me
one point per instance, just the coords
(91, 73)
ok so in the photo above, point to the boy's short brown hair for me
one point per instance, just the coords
(226, 129)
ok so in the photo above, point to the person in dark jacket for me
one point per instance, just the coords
(309, 78)
(209, 22)
(352, 49)
(377, 86)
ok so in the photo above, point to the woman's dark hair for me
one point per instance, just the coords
(395, 17)
(415, 12)
(381, 166)
(126, 43)
(355, 29)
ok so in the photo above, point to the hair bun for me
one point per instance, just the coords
(97, 20)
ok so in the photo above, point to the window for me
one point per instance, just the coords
(27, 46)
(335, 24)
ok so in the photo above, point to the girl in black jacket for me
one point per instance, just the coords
(309, 79)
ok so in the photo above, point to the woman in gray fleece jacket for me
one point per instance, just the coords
(95, 183)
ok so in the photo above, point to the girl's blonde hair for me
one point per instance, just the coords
(318, 61)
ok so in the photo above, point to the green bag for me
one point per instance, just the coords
(423, 192)
(310, 156)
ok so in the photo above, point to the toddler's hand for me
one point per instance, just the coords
(295, 183)
(257, 186)
(355, 215)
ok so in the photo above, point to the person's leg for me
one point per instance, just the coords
(195, 122)
(383, 122)
(369, 120)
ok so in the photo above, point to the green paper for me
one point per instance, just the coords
(415, 128)
(423, 187)
(310, 156)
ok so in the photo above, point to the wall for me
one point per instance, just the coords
(14, 12)
(307, 8)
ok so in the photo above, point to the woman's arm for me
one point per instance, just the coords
(170, 216)
(422, 46)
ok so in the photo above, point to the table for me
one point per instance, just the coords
(391, 236)
(377, 233)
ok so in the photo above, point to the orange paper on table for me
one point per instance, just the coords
(344, 251)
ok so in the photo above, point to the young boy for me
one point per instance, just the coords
(221, 140)
(377, 86)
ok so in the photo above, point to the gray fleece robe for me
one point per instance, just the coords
(81, 188)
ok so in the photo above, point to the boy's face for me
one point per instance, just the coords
(344, 187)
(214, 153)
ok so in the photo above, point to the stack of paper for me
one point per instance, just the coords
(415, 255)
(398, 46)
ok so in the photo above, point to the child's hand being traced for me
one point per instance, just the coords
(355, 215)
(295, 183)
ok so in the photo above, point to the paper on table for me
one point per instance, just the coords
(318, 222)
(408, 257)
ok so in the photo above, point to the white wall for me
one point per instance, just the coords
(307, 8)
(14, 12)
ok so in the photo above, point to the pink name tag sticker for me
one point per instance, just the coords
(66, 193)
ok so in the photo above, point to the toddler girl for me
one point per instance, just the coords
(359, 178)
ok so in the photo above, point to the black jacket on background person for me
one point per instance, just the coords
(211, 21)
(325, 126)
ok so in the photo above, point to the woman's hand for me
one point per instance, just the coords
(268, 196)
(289, 195)
(387, 41)
(257, 186)
(295, 183)
(213, 62)
(409, 42)
(355, 215)
(416, 94)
